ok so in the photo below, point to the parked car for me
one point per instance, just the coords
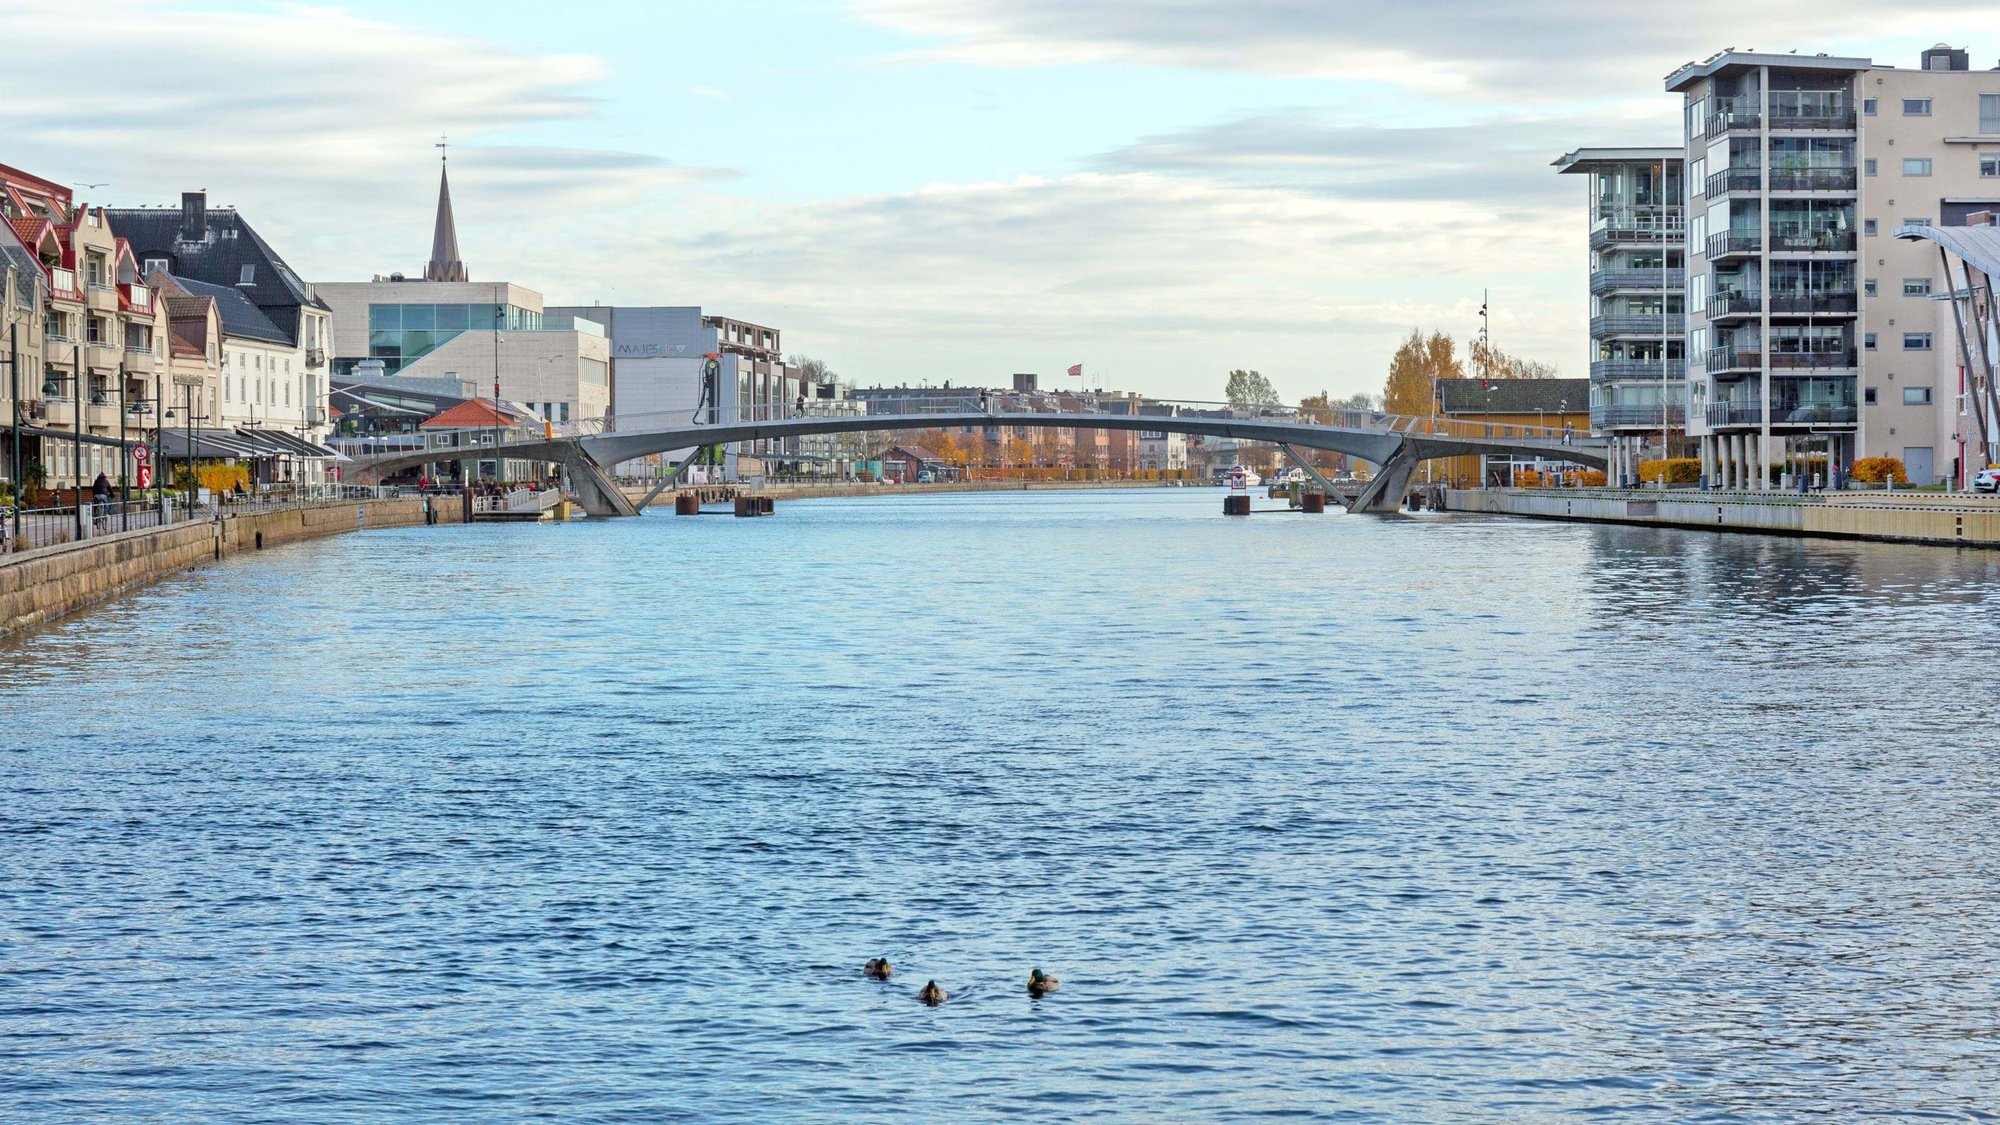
(1986, 480)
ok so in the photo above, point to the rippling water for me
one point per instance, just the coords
(1411, 819)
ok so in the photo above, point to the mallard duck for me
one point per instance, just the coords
(1041, 984)
(877, 967)
(931, 994)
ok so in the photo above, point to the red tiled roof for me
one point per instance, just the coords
(32, 230)
(471, 414)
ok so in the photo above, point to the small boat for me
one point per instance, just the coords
(1240, 478)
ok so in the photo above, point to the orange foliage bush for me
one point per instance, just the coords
(1875, 470)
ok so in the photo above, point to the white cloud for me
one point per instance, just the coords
(317, 122)
(1167, 282)
(1469, 48)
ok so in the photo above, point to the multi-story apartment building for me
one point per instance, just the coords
(98, 351)
(1637, 228)
(1811, 327)
(276, 328)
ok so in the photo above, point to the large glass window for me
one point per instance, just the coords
(1989, 113)
(420, 316)
(1917, 166)
(1916, 107)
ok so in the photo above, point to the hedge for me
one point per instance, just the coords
(1678, 470)
(1875, 470)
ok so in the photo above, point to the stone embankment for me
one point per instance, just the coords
(41, 585)
(1940, 519)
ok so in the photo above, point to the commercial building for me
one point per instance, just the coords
(1812, 331)
(1638, 329)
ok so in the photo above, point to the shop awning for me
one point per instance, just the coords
(292, 445)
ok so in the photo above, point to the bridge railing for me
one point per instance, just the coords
(1001, 405)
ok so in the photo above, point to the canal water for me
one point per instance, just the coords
(1436, 818)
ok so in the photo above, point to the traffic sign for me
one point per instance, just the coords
(144, 475)
(140, 453)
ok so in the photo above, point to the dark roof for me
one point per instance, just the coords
(1514, 396)
(27, 267)
(217, 256)
(239, 316)
(917, 451)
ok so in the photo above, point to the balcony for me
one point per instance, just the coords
(1727, 359)
(101, 413)
(1734, 243)
(1639, 225)
(58, 412)
(1606, 280)
(1637, 324)
(315, 357)
(1810, 114)
(1730, 306)
(1825, 302)
(1750, 412)
(1650, 370)
(1827, 358)
(1732, 179)
(137, 298)
(101, 297)
(1812, 242)
(1813, 179)
(63, 286)
(1640, 417)
(1730, 118)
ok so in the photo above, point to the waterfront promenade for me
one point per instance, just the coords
(1930, 518)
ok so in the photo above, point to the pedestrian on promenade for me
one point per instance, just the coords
(802, 404)
(985, 404)
(100, 490)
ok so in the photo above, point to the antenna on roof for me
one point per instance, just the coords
(444, 149)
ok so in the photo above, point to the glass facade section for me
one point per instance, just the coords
(399, 335)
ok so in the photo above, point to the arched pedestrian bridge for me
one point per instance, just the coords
(1395, 443)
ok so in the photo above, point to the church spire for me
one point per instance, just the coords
(445, 264)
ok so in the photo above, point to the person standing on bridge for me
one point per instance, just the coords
(801, 405)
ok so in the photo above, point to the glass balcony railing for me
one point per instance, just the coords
(1637, 324)
(1734, 242)
(1750, 412)
(1644, 277)
(1812, 179)
(1733, 179)
(1649, 370)
(1812, 241)
(1626, 415)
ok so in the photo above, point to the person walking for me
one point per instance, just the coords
(800, 408)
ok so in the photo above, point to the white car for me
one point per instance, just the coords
(1986, 480)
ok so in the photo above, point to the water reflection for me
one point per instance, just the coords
(1437, 818)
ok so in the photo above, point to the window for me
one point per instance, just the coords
(1868, 227)
(248, 276)
(1916, 222)
(1989, 113)
(1916, 287)
(1868, 341)
(1916, 396)
(1868, 166)
(1868, 397)
(1916, 341)
(1989, 167)
(157, 265)
(1868, 287)
(1916, 107)
(1868, 106)
(1917, 166)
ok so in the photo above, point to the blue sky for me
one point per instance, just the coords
(923, 190)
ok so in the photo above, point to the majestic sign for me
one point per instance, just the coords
(647, 351)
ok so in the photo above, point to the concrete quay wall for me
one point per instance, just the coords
(39, 586)
(1939, 520)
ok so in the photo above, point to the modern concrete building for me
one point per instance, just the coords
(1811, 327)
(1638, 330)
(483, 332)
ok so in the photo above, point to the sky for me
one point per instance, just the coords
(930, 190)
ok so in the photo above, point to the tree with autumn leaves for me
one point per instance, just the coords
(1420, 361)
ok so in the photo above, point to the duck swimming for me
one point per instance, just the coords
(1041, 984)
(931, 994)
(878, 968)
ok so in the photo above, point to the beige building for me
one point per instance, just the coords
(1810, 329)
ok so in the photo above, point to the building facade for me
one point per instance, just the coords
(1555, 404)
(1813, 329)
(274, 361)
(1638, 327)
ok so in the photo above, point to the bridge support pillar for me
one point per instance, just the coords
(594, 488)
(1392, 482)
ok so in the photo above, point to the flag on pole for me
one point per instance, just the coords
(1076, 372)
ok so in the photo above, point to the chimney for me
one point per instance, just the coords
(194, 216)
